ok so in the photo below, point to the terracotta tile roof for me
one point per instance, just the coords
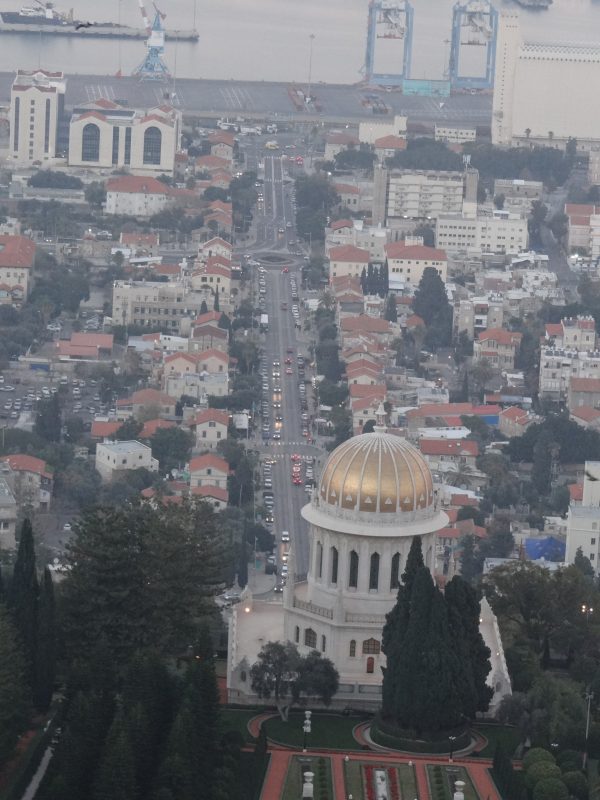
(390, 142)
(349, 253)
(338, 137)
(213, 353)
(341, 223)
(222, 137)
(139, 239)
(211, 491)
(501, 336)
(450, 447)
(513, 413)
(359, 391)
(576, 491)
(209, 460)
(554, 329)
(365, 323)
(103, 341)
(585, 385)
(586, 413)
(152, 425)
(209, 330)
(210, 415)
(147, 397)
(216, 240)
(16, 251)
(414, 252)
(212, 162)
(346, 188)
(135, 184)
(19, 462)
(102, 429)
(415, 321)
(452, 409)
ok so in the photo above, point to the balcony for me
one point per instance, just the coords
(319, 611)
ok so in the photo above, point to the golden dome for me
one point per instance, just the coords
(378, 473)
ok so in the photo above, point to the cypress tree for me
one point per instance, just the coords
(473, 654)
(216, 303)
(363, 280)
(45, 653)
(177, 773)
(2, 590)
(23, 596)
(14, 694)
(115, 778)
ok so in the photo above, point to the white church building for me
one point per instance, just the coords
(374, 495)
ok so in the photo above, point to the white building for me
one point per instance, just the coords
(499, 232)
(407, 263)
(137, 196)
(583, 523)
(372, 238)
(455, 134)
(403, 195)
(542, 91)
(8, 517)
(169, 306)
(105, 135)
(36, 105)
(115, 457)
(519, 195)
(375, 494)
(371, 130)
(558, 368)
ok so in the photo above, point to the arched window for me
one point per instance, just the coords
(371, 646)
(152, 145)
(352, 648)
(323, 643)
(90, 142)
(353, 571)
(370, 665)
(395, 571)
(297, 634)
(374, 572)
(310, 638)
(334, 564)
(319, 560)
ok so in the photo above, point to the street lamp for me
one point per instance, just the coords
(306, 728)
(452, 739)
(587, 610)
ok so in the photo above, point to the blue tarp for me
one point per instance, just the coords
(549, 548)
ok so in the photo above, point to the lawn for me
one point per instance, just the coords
(328, 730)
(321, 767)
(353, 779)
(236, 719)
(441, 783)
(408, 781)
(495, 734)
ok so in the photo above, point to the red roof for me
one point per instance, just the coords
(554, 329)
(216, 240)
(209, 330)
(153, 425)
(501, 336)
(513, 413)
(365, 323)
(213, 353)
(102, 429)
(19, 462)
(341, 223)
(338, 137)
(16, 251)
(349, 253)
(358, 390)
(448, 447)
(139, 239)
(210, 415)
(414, 252)
(586, 413)
(135, 184)
(452, 409)
(211, 491)
(415, 321)
(222, 137)
(346, 188)
(209, 460)
(390, 142)
(576, 491)
(147, 397)
(103, 341)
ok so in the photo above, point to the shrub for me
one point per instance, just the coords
(536, 754)
(550, 789)
(542, 770)
(577, 784)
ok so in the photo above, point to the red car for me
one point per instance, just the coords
(297, 481)
(285, 270)
(296, 457)
(289, 371)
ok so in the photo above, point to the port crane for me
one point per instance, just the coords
(389, 19)
(478, 19)
(153, 67)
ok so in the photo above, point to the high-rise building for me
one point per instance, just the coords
(583, 524)
(507, 47)
(36, 107)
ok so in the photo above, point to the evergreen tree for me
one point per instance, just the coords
(470, 563)
(23, 596)
(364, 281)
(370, 279)
(48, 421)
(115, 778)
(216, 303)
(45, 653)
(431, 304)
(391, 311)
(203, 307)
(14, 694)
(583, 564)
(177, 771)
(385, 278)
(473, 654)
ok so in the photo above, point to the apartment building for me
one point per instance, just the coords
(407, 263)
(347, 261)
(36, 107)
(8, 517)
(519, 195)
(498, 232)
(572, 334)
(558, 368)
(372, 238)
(371, 130)
(497, 346)
(169, 306)
(113, 458)
(30, 480)
(474, 315)
(137, 196)
(400, 195)
(583, 521)
(584, 392)
(210, 427)
(455, 134)
(106, 135)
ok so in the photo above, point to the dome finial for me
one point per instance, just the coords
(380, 415)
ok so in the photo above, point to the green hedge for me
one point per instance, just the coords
(385, 734)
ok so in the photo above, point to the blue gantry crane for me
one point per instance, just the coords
(474, 24)
(389, 19)
(153, 68)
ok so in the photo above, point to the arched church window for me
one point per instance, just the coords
(371, 646)
(310, 638)
(370, 665)
(352, 648)
(353, 571)
(323, 643)
(395, 571)
(297, 634)
(374, 572)
(334, 564)
(319, 560)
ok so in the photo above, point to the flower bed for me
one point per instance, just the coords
(381, 783)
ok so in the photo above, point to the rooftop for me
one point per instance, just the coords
(125, 448)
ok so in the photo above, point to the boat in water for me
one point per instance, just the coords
(45, 19)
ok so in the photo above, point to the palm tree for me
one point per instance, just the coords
(327, 300)
(459, 477)
(528, 132)
(551, 135)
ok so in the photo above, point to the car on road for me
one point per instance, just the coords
(285, 536)
(289, 371)
(279, 587)
(285, 270)
(67, 526)
(296, 480)
(296, 457)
